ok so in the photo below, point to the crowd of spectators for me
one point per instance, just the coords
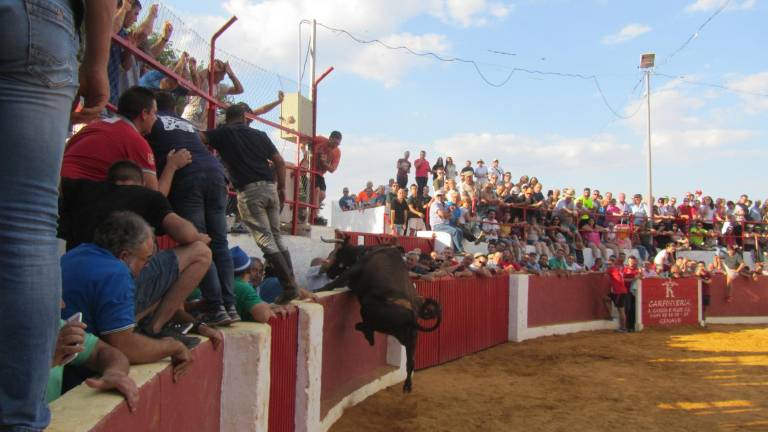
(486, 204)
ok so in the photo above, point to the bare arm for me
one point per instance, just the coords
(262, 312)
(238, 87)
(118, 17)
(157, 48)
(181, 230)
(270, 106)
(94, 84)
(175, 161)
(140, 349)
(113, 366)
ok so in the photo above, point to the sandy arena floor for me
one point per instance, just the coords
(658, 380)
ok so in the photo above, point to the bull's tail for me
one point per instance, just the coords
(430, 309)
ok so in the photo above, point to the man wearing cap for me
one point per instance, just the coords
(481, 173)
(440, 218)
(247, 154)
(249, 304)
(422, 167)
(566, 209)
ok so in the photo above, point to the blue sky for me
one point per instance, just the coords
(557, 128)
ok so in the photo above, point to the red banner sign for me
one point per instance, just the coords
(669, 302)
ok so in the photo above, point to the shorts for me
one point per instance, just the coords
(161, 272)
(618, 299)
(320, 182)
(705, 299)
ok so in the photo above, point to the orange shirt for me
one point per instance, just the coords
(332, 155)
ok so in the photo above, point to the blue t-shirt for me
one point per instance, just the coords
(171, 132)
(100, 286)
(152, 79)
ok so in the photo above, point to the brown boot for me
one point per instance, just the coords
(284, 274)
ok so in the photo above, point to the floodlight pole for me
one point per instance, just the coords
(647, 61)
(650, 163)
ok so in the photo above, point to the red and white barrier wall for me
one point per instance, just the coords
(301, 372)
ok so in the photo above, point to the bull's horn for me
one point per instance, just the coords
(339, 241)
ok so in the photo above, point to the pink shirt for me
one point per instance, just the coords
(422, 167)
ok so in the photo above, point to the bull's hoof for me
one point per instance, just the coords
(368, 333)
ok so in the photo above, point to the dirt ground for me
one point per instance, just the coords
(700, 380)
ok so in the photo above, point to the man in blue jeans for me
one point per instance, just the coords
(198, 194)
(440, 218)
(38, 80)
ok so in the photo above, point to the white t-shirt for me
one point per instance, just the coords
(194, 112)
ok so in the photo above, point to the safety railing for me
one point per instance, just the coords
(298, 170)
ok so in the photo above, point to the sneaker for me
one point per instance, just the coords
(218, 317)
(182, 328)
(167, 331)
(233, 315)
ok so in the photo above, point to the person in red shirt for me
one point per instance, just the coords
(618, 294)
(686, 212)
(632, 274)
(328, 155)
(422, 167)
(89, 154)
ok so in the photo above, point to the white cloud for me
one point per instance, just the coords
(266, 32)
(687, 126)
(711, 5)
(542, 153)
(385, 65)
(756, 83)
(627, 33)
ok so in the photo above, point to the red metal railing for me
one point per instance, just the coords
(214, 104)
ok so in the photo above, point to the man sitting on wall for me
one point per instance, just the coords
(98, 280)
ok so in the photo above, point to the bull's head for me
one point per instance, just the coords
(341, 257)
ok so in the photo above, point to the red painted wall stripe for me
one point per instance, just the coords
(428, 344)
(193, 403)
(282, 389)
(750, 298)
(349, 362)
(560, 300)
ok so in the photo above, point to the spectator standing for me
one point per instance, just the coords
(732, 264)
(632, 275)
(439, 180)
(618, 293)
(367, 197)
(120, 59)
(639, 211)
(199, 194)
(481, 173)
(421, 165)
(398, 214)
(38, 81)
(496, 169)
(417, 209)
(437, 166)
(403, 168)
(327, 158)
(247, 153)
(196, 109)
(450, 169)
(467, 169)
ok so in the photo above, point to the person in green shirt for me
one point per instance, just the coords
(697, 235)
(94, 354)
(249, 304)
(587, 202)
(558, 263)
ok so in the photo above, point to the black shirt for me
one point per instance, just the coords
(244, 151)
(400, 208)
(85, 204)
(171, 132)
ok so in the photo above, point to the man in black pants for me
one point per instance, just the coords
(247, 154)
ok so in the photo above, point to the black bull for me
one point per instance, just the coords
(377, 275)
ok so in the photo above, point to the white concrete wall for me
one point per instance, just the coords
(368, 220)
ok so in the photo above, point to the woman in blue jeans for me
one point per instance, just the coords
(38, 81)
